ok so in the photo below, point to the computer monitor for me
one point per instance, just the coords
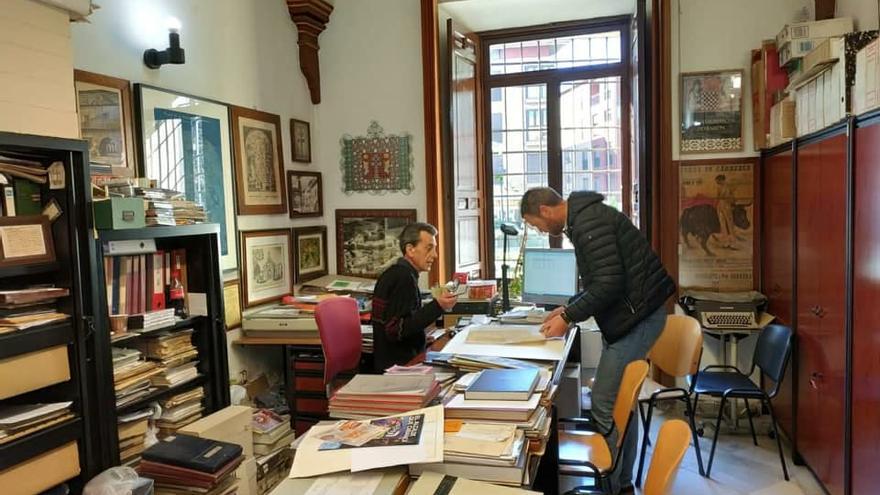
(550, 276)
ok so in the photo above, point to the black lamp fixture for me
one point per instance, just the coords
(174, 54)
(508, 230)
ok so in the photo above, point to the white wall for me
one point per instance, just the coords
(36, 76)
(864, 13)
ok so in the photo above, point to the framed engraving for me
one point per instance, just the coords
(366, 240)
(266, 271)
(311, 253)
(259, 162)
(301, 141)
(306, 194)
(103, 105)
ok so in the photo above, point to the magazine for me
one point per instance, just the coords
(401, 430)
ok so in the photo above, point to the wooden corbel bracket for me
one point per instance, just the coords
(311, 18)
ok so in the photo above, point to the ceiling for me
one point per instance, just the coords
(484, 15)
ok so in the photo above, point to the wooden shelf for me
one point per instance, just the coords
(34, 339)
(278, 341)
(32, 445)
(160, 394)
(158, 232)
(192, 321)
(21, 270)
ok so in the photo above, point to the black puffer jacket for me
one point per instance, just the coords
(623, 278)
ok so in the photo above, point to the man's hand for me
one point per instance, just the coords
(556, 312)
(554, 327)
(446, 300)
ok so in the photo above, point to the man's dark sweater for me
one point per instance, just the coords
(399, 319)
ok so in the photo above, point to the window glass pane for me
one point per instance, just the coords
(555, 53)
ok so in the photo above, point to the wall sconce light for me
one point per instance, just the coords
(174, 54)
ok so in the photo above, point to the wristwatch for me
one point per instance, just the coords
(565, 317)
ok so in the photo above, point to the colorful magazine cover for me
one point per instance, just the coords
(402, 430)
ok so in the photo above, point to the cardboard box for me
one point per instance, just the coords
(119, 213)
(41, 472)
(34, 370)
(782, 122)
(247, 477)
(814, 29)
(230, 424)
(796, 50)
(866, 88)
(767, 79)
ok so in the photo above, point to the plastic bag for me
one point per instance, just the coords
(114, 481)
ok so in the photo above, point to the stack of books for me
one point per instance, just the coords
(29, 308)
(180, 410)
(184, 464)
(174, 353)
(151, 320)
(372, 396)
(17, 421)
(271, 432)
(131, 375)
(367, 338)
(132, 433)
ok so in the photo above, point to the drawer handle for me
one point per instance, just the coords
(814, 379)
(820, 311)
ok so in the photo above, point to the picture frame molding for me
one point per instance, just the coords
(341, 214)
(127, 107)
(682, 103)
(299, 277)
(246, 302)
(235, 113)
(48, 241)
(297, 155)
(226, 285)
(295, 214)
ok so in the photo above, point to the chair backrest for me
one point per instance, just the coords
(773, 350)
(633, 377)
(672, 442)
(339, 325)
(677, 351)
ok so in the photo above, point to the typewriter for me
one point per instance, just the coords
(724, 310)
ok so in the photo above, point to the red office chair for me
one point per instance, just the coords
(339, 325)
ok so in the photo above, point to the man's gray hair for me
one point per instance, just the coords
(536, 197)
(412, 234)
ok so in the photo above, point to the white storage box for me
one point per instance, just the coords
(866, 89)
(814, 29)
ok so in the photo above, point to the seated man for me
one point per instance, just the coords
(399, 319)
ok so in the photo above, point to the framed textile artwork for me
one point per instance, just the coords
(265, 272)
(366, 240)
(377, 163)
(310, 246)
(306, 194)
(259, 162)
(185, 146)
(716, 224)
(711, 111)
(103, 105)
(300, 141)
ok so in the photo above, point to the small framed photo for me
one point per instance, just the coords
(306, 194)
(311, 253)
(232, 303)
(26, 240)
(259, 162)
(266, 270)
(301, 141)
(711, 111)
(103, 104)
(366, 240)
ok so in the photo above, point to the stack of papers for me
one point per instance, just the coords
(152, 320)
(17, 421)
(367, 396)
(179, 411)
(271, 432)
(131, 375)
(132, 433)
(367, 338)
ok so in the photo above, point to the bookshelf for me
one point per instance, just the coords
(202, 275)
(66, 346)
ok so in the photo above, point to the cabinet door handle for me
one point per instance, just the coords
(820, 311)
(814, 310)
(814, 379)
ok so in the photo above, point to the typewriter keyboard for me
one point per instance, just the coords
(728, 319)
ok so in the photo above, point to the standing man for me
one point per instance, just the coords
(625, 288)
(399, 319)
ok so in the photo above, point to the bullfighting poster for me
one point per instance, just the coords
(716, 225)
(377, 163)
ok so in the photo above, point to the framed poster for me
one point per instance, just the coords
(103, 105)
(366, 240)
(711, 111)
(716, 224)
(232, 304)
(266, 271)
(301, 141)
(306, 194)
(26, 240)
(259, 162)
(186, 147)
(310, 246)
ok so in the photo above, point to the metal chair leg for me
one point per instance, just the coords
(778, 440)
(715, 438)
(690, 412)
(751, 424)
(647, 428)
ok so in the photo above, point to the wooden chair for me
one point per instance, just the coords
(676, 353)
(587, 453)
(339, 326)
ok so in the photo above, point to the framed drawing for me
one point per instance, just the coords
(366, 240)
(232, 304)
(311, 253)
(266, 271)
(259, 162)
(711, 111)
(103, 104)
(306, 194)
(26, 240)
(301, 141)
(186, 147)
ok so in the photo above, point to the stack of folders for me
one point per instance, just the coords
(132, 433)
(29, 308)
(131, 375)
(175, 355)
(17, 421)
(471, 363)
(272, 432)
(180, 410)
(367, 338)
(373, 396)
(184, 464)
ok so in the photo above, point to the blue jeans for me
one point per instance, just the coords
(634, 346)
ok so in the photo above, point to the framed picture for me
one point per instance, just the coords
(232, 304)
(711, 111)
(259, 162)
(266, 270)
(301, 141)
(186, 147)
(103, 104)
(306, 194)
(366, 240)
(26, 240)
(311, 253)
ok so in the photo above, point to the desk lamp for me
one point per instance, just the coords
(508, 230)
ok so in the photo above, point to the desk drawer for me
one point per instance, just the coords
(42, 472)
(309, 384)
(34, 370)
(305, 405)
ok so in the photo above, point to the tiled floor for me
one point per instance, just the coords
(739, 468)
